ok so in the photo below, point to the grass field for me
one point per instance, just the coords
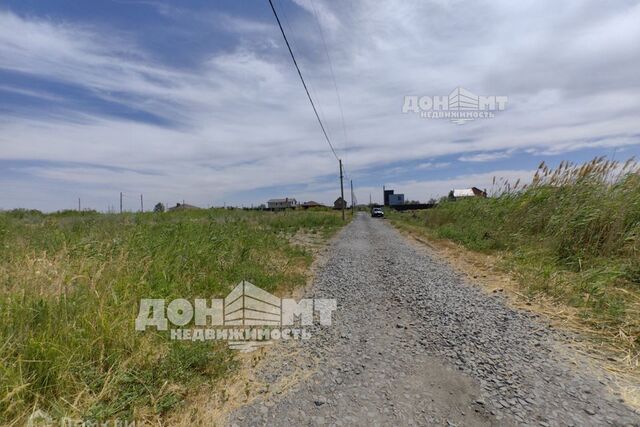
(572, 234)
(70, 285)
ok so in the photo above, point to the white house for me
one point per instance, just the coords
(281, 203)
(468, 192)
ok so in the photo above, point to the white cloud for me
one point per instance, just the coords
(239, 120)
(433, 165)
(485, 157)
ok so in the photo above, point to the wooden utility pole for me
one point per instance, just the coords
(121, 202)
(79, 205)
(141, 204)
(352, 207)
(341, 189)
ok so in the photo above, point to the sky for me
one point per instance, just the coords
(199, 100)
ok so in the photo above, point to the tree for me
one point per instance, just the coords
(159, 208)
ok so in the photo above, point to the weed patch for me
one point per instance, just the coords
(70, 284)
(573, 234)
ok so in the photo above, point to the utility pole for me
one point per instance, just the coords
(341, 189)
(369, 199)
(141, 204)
(352, 207)
(121, 202)
(79, 206)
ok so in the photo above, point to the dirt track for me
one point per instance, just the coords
(413, 344)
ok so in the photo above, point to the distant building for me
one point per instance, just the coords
(282, 203)
(386, 194)
(183, 207)
(467, 192)
(312, 204)
(396, 199)
(340, 203)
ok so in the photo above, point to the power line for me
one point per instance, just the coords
(335, 86)
(302, 80)
(314, 94)
(333, 77)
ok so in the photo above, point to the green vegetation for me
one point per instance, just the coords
(573, 234)
(70, 285)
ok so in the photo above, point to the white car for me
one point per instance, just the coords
(377, 213)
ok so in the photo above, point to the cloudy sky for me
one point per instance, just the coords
(199, 101)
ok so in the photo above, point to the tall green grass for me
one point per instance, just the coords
(70, 284)
(572, 233)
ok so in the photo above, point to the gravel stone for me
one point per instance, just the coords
(413, 343)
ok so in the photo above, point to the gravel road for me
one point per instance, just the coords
(412, 343)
